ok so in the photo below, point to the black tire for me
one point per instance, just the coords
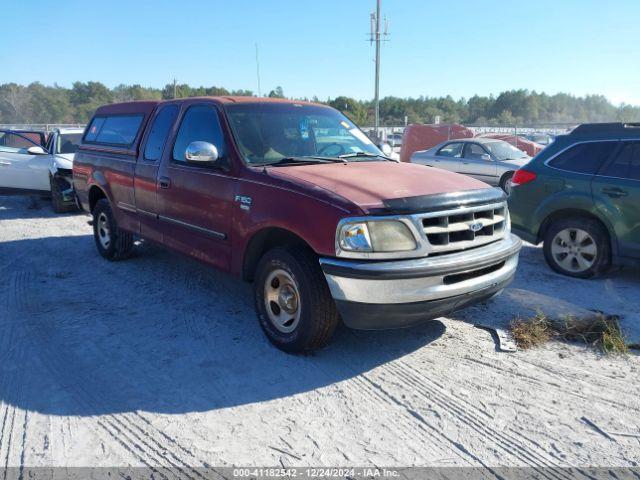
(120, 242)
(598, 243)
(57, 198)
(505, 182)
(318, 316)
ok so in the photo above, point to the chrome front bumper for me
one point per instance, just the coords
(391, 294)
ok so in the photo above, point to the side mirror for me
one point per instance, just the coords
(35, 150)
(201, 153)
(485, 156)
(386, 149)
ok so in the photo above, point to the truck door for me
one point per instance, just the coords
(195, 201)
(616, 192)
(147, 167)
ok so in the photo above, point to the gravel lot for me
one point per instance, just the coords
(160, 361)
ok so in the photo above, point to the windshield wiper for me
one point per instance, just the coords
(365, 155)
(298, 160)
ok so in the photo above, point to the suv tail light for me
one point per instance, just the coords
(522, 176)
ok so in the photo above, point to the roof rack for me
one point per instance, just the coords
(606, 128)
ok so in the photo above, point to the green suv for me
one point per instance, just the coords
(581, 197)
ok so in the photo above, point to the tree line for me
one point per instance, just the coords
(38, 103)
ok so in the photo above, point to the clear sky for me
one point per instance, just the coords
(436, 47)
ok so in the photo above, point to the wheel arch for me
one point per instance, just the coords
(95, 194)
(264, 240)
(576, 212)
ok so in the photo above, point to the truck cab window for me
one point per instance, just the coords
(200, 123)
(159, 132)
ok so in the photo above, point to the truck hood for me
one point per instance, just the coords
(370, 185)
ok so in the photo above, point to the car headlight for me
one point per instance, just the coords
(376, 236)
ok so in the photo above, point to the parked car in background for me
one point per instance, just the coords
(297, 199)
(423, 137)
(581, 197)
(521, 143)
(489, 160)
(62, 145)
(394, 140)
(31, 163)
(543, 139)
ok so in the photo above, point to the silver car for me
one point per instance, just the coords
(487, 159)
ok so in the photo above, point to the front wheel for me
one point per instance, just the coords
(577, 247)
(112, 242)
(293, 301)
(58, 186)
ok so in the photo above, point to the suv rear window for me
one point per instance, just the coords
(626, 164)
(584, 157)
(114, 129)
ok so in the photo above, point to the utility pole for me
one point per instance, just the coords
(376, 36)
(258, 70)
(174, 88)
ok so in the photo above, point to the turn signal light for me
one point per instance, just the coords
(522, 176)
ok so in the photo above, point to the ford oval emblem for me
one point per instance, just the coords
(476, 227)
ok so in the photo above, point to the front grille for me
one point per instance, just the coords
(465, 228)
(461, 277)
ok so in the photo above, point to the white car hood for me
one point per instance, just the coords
(63, 160)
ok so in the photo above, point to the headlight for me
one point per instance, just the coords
(376, 236)
(354, 237)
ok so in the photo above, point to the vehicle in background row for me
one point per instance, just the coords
(31, 163)
(62, 145)
(297, 199)
(394, 140)
(488, 160)
(517, 141)
(543, 139)
(581, 197)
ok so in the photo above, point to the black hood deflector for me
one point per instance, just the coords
(439, 202)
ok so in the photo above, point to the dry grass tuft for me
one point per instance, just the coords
(601, 332)
(532, 332)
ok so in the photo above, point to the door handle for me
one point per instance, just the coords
(164, 182)
(615, 192)
(4, 164)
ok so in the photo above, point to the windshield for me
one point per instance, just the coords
(267, 133)
(68, 142)
(504, 151)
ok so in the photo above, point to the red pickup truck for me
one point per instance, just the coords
(295, 198)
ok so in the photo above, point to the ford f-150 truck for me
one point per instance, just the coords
(295, 198)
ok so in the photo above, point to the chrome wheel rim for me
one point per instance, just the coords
(282, 301)
(574, 250)
(104, 233)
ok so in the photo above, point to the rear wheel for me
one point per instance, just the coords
(292, 300)
(578, 247)
(112, 242)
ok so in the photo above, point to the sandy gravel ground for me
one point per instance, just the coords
(160, 361)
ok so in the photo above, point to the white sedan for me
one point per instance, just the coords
(29, 166)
